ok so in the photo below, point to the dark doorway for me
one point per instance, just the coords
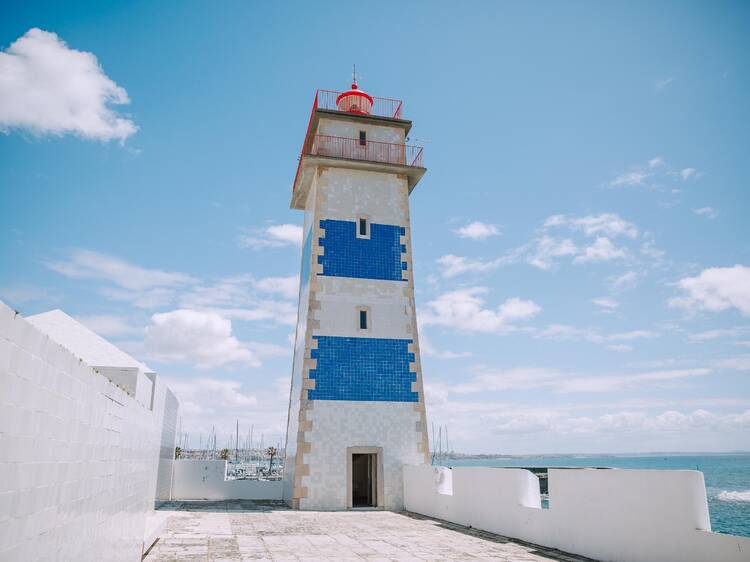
(364, 480)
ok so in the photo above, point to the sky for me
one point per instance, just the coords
(581, 238)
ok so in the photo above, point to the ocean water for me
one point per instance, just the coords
(727, 478)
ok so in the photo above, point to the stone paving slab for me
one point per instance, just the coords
(243, 530)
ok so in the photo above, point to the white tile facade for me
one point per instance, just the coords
(338, 424)
(79, 457)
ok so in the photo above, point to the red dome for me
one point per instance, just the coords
(355, 101)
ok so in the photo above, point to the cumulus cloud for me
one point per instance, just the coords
(543, 251)
(548, 247)
(464, 309)
(478, 231)
(274, 236)
(201, 338)
(715, 289)
(47, 88)
(287, 287)
(601, 250)
(707, 212)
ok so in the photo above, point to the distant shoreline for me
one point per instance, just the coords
(459, 456)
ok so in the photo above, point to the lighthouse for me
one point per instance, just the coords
(356, 407)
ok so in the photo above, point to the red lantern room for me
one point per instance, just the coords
(355, 101)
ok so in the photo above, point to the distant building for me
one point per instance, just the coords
(356, 411)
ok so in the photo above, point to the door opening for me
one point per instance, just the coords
(364, 480)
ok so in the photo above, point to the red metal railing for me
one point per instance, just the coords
(382, 107)
(371, 151)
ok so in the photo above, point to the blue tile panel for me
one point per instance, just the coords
(365, 369)
(377, 257)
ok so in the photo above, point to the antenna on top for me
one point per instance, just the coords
(354, 74)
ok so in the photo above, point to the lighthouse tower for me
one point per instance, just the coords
(356, 409)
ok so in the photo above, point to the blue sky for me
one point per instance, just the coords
(581, 237)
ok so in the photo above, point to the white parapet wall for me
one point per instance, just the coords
(206, 480)
(608, 515)
(82, 459)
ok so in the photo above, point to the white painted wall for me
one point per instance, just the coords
(350, 193)
(79, 456)
(609, 515)
(351, 129)
(206, 480)
(338, 424)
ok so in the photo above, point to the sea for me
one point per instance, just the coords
(727, 477)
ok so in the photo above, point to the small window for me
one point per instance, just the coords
(363, 319)
(362, 227)
(362, 138)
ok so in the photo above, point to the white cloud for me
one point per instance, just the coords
(601, 250)
(478, 231)
(687, 173)
(565, 332)
(707, 212)
(464, 310)
(720, 334)
(656, 175)
(210, 404)
(49, 89)
(109, 325)
(655, 162)
(607, 304)
(545, 250)
(287, 287)
(661, 84)
(456, 265)
(627, 280)
(609, 224)
(716, 289)
(741, 363)
(559, 381)
(86, 264)
(274, 236)
(201, 338)
(629, 179)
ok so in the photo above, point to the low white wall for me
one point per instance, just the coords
(79, 456)
(206, 480)
(608, 515)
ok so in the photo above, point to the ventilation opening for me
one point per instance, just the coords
(362, 319)
(363, 227)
